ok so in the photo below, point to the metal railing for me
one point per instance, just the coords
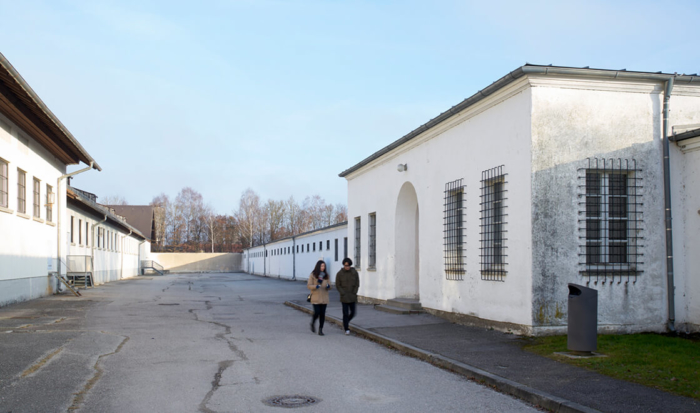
(146, 264)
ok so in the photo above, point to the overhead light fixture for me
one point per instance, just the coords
(402, 167)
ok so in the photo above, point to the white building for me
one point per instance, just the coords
(549, 176)
(295, 257)
(101, 242)
(35, 149)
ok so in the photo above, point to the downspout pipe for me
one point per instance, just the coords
(294, 259)
(667, 204)
(58, 218)
(94, 244)
(121, 275)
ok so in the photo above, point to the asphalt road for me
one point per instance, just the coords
(208, 343)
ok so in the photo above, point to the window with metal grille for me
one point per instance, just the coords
(328, 245)
(308, 248)
(336, 249)
(37, 198)
(493, 224)
(71, 228)
(314, 246)
(610, 219)
(80, 232)
(4, 198)
(21, 191)
(453, 230)
(87, 237)
(372, 241)
(49, 203)
(358, 233)
(345, 247)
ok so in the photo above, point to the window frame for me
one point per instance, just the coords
(358, 242)
(493, 257)
(21, 191)
(372, 241)
(36, 201)
(4, 184)
(454, 230)
(49, 204)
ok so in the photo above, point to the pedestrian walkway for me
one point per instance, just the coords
(499, 360)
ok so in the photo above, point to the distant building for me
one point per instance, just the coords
(549, 176)
(100, 241)
(296, 256)
(143, 218)
(35, 149)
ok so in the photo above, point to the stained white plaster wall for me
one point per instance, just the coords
(685, 201)
(282, 264)
(27, 243)
(573, 120)
(492, 133)
(117, 260)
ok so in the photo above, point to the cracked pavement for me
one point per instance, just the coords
(208, 343)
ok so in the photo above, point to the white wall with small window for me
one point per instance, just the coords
(27, 216)
(296, 257)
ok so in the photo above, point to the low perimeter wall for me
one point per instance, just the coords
(199, 261)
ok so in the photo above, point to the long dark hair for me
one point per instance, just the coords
(317, 269)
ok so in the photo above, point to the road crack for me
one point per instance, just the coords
(215, 384)
(80, 396)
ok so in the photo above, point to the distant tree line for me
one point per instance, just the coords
(186, 223)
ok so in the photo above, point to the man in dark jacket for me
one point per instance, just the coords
(347, 282)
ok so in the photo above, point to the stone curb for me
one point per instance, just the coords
(521, 391)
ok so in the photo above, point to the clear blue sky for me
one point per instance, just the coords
(281, 96)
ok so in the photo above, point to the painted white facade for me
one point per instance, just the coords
(295, 257)
(542, 129)
(116, 249)
(27, 242)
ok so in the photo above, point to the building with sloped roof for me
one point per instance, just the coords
(549, 176)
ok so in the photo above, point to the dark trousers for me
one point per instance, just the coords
(348, 314)
(320, 314)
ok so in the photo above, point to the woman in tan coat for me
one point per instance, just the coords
(319, 285)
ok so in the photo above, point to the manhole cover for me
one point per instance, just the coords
(291, 402)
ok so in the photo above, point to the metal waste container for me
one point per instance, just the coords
(583, 319)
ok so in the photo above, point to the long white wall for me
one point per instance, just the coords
(281, 259)
(27, 242)
(494, 132)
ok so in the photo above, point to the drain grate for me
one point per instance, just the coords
(291, 402)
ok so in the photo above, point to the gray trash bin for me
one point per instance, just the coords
(583, 319)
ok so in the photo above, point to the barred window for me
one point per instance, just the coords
(314, 244)
(71, 228)
(49, 203)
(4, 200)
(37, 198)
(453, 230)
(87, 232)
(358, 233)
(328, 245)
(21, 191)
(336, 249)
(80, 232)
(610, 219)
(493, 224)
(345, 247)
(372, 241)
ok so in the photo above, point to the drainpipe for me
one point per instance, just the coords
(121, 275)
(58, 218)
(294, 259)
(94, 244)
(667, 204)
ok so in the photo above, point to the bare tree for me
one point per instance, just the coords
(248, 216)
(274, 217)
(114, 200)
(341, 213)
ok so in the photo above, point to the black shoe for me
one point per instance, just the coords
(313, 327)
(320, 332)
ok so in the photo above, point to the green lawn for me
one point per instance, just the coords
(663, 362)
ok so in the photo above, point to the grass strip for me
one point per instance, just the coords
(668, 363)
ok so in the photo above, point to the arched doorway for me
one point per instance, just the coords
(406, 246)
